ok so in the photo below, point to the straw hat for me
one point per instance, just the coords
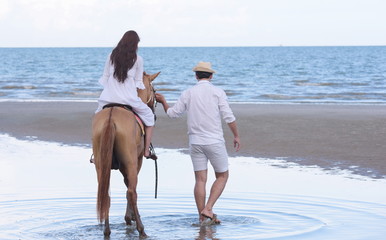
(204, 67)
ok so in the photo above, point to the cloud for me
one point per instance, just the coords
(4, 8)
(56, 14)
(101, 23)
(189, 23)
(192, 22)
(59, 22)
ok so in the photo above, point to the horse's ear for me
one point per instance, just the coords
(144, 73)
(152, 77)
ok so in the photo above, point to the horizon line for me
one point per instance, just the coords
(200, 46)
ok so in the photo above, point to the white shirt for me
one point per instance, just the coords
(203, 103)
(126, 92)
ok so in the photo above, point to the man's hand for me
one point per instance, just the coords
(236, 143)
(159, 97)
(236, 139)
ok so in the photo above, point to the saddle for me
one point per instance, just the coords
(115, 164)
(128, 108)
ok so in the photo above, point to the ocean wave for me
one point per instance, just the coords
(308, 83)
(357, 96)
(167, 90)
(74, 93)
(231, 93)
(18, 87)
(85, 93)
(300, 97)
(278, 97)
(354, 94)
(161, 83)
(358, 84)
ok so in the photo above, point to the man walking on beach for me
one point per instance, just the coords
(205, 104)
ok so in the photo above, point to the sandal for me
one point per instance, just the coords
(213, 220)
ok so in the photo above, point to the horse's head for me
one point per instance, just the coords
(148, 95)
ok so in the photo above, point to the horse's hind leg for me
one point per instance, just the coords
(107, 230)
(129, 216)
(132, 198)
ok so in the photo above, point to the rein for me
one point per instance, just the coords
(152, 98)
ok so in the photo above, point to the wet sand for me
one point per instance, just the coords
(325, 135)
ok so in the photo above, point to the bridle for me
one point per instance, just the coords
(151, 98)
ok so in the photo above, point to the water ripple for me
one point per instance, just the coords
(243, 215)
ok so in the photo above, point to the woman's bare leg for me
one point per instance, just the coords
(148, 136)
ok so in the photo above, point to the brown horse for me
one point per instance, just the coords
(116, 132)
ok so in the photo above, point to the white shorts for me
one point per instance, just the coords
(215, 153)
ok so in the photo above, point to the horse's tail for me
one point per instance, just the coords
(106, 154)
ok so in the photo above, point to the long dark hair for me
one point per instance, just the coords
(124, 55)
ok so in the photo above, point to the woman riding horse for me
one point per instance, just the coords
(121, 77)
(115, 130)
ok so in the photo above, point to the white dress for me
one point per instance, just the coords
(125, 93)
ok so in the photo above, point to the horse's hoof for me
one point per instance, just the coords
(143, 235)
(107, 233)
(128, 220)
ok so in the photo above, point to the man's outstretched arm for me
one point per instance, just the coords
(161, 99)
(236, 138)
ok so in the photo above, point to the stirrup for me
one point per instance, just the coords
(152, 153)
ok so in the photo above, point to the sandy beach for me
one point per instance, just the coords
(325, 135)
(48, 189)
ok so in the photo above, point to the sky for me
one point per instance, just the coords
(101, 23)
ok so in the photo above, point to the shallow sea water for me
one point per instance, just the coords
(48, 191)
